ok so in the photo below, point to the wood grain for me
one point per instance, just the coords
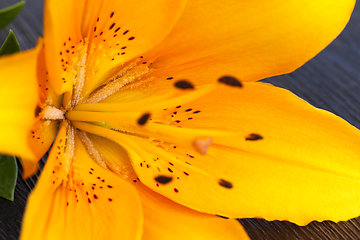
(330, 81)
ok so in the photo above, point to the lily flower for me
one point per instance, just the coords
(152, 137)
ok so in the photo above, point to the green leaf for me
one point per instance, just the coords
(8, 176)
(9, 13)
(10, 45)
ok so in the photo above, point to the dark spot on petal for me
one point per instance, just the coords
(183, 84)
(96, 197)
(143, 119)
(178, 106)
(37, 111)
(126, 33)
(112, 14)
(176, 190)
(169, 78)
(163, 179)
(188, 110)
(117, 29)
(186, 173)
(131, 38)
(109, 186)
(89, 200)
(110, 199)
(112, 25)
(253, 137)
(231, 81)
(225, 183)
(170, 170)
(196, 112)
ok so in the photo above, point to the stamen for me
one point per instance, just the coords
(225, 183)
(196, 139)
(79, 80)
(70, 146)
(102, 116)
(89, 146)
(231, 81)
(183, 85)
(140, 150)
(163, 179)
(126, 75)
(143, 119)
(253, 137)
(144, 106)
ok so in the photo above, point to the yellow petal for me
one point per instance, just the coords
(305, 167)
(83, 202)
(47, 94)
(165, 219)
(248, 39)
(43, 132)
(107, 34)
(19, 96)
(115, 157)
(40, 139)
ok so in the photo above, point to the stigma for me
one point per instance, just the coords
(52, 113)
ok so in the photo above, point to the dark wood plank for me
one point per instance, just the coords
(330, 81)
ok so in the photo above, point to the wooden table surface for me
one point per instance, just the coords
(330, 81)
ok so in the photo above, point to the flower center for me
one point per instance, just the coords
(144, 122)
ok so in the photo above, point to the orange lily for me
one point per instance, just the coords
(139, 153)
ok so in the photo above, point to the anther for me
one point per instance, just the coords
(143, 119)
(231, 81)
(253, 137)
(225, 183)
(184, 85)
(163, 179)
